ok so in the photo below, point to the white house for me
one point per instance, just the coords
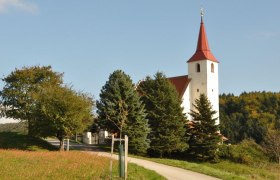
(202, 78)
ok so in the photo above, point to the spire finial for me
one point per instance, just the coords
(201, 12)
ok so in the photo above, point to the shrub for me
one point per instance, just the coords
(246, 152)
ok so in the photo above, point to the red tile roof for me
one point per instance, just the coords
(203, 50)
(181, 83)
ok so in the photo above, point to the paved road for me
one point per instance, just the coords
(169, 172)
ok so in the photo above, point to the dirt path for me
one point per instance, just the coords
(169, 172)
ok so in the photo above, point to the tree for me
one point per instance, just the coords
(63, 112)
(204, 136)
(165, 114)
(272, 144)
(21, 90)
(120, 110)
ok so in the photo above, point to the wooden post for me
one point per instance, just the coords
(67, 146)
(125, 155)
(111, 161)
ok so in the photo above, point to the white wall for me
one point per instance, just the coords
(186, 102)
(4, 120)
(204, 82)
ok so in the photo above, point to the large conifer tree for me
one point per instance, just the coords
(120, 110)
(204, 136)
(165, 115)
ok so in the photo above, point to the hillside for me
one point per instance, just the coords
(249, 115)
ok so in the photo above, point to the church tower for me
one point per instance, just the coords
(203, 72)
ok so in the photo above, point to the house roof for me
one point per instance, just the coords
(203, 51)
(181, 83)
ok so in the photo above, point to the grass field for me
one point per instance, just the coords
(23, 157)
(16, 164)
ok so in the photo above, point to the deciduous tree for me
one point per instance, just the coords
(21, 90)
(63, 112)
(272, 144)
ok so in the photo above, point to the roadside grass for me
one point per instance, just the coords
(226, 169)
(14, 140)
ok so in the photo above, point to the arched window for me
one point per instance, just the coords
(212, 67)
(197, 67)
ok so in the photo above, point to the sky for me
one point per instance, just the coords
(88, 40)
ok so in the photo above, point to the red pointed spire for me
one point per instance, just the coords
(203, 50)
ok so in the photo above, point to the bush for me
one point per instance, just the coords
(246, 152)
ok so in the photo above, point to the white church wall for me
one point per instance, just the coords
(213, 86)
(198, 80)
(204, 82)
(186, 102)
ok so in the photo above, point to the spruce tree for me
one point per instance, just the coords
(165, 115)
(204, 135)
(121, 111)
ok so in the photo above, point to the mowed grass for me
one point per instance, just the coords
(227, 170)
(24, 157)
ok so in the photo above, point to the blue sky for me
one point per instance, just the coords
(89, 39)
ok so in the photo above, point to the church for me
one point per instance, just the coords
(202, 76)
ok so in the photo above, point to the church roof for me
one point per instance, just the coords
(181, 83)
(203, 50)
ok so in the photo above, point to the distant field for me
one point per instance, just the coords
(13, 140)
(20, 127)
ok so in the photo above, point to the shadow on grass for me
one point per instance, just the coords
(13, 140)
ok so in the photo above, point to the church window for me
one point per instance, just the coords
(197, 67)
(212, 67)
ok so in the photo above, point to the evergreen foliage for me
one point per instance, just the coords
(165, 114)
(120, 110)
(204, 137)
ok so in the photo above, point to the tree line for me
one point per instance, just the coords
(249, 115)
(252, 116)
(150, 113)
